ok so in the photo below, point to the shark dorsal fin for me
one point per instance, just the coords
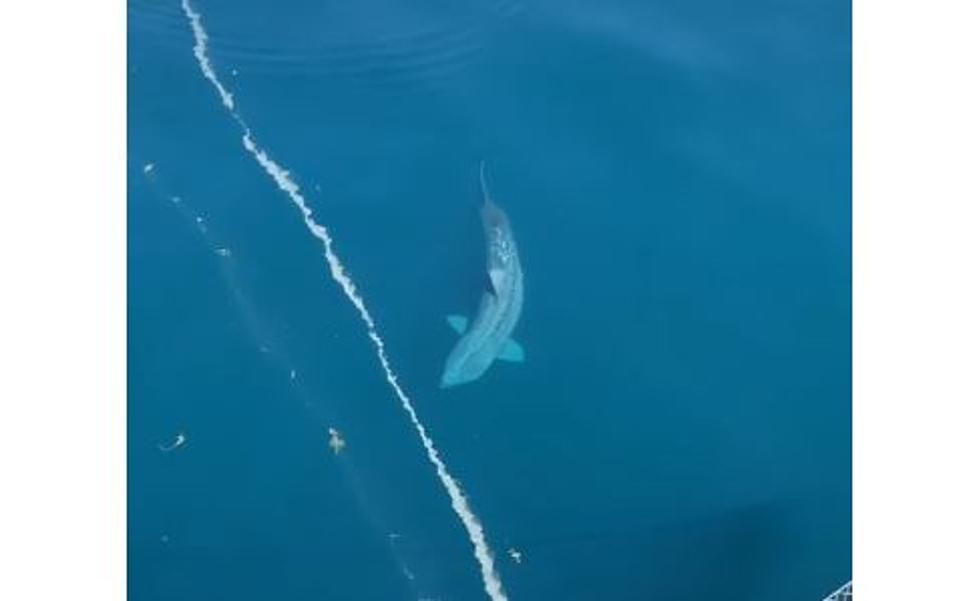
(496, 278)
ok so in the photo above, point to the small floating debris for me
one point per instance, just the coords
(264, 350)
(224, 252)
(292, 374)
(178, 442)
(148, 168)
(337, 443)
(515, 555)
(175, 200)
(234, 72)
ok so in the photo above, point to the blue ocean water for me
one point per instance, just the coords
(678, 178)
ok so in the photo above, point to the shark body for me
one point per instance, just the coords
(487, 337)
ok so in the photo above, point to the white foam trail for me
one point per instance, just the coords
(491, 580)
(200, 51)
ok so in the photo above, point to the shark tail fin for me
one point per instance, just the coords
(482, 181)
(459, 323)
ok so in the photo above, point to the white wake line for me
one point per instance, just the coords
(481, 550)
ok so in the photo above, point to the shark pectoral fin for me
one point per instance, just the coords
(458, 323)
(511, 351)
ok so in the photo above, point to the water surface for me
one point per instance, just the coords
(677, 175)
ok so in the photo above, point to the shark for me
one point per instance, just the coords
(487, 337)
